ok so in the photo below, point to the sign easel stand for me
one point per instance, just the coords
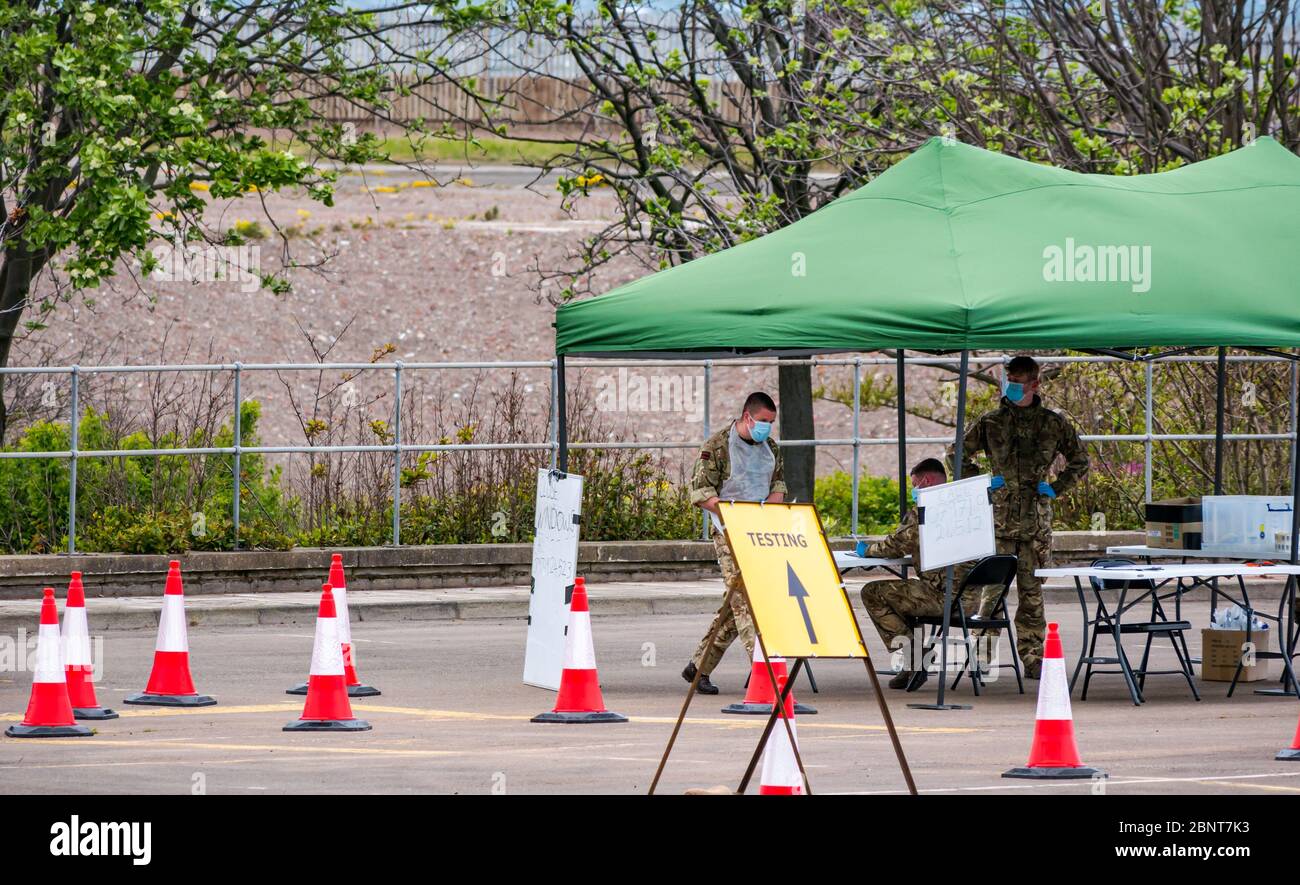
(778, 707)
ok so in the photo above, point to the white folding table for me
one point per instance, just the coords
(1161, 575)
(1288, 628)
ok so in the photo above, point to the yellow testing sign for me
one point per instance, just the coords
(793, 585)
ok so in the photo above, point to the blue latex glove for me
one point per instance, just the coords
(997, 482)
(1045, 488)
(861, 548)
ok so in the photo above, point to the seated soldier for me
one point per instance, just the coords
(891, 602)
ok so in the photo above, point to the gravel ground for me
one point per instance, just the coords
(415, 268)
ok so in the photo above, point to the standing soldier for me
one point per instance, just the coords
(1021, 439)
(738, 463)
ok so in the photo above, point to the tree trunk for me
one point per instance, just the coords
(16, 271)
(795, 408)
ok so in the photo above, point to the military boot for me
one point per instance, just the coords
(704, 686)
(1033, 669)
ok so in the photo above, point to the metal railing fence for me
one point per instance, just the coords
(399, 368)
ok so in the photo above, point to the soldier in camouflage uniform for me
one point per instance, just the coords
(741, 462)
(891, 602)
(1022, 440)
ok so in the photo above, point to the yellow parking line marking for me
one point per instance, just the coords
(738, 722)
(182, 744)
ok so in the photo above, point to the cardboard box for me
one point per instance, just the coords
(1174, 523)
(1221, 649)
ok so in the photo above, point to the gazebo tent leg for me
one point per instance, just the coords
(948, 586)
(902, 434)
(561, 411)
(1220, 406)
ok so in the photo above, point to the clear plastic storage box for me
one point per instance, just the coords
(1247, 525)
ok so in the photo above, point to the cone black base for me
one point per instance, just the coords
(603, 716)
(1061, 774)
(170, 700)
(765, 709)
(328, 725)
(92, 713)
(354, 691)
(1291, 754)
(47, 731)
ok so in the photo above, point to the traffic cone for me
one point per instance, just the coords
(1292, 752)
(759, 695)
(327, 707)
(1054, 754)
(579, 699)
(780, 775)
(338, 583)
(77, 663)
(49, 712)
(170, 684)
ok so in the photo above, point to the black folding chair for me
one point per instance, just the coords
(999, 571)
(1110, 623)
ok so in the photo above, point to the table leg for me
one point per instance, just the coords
(1119, 647)
(1083, 646)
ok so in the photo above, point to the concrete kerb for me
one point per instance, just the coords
(258, 588)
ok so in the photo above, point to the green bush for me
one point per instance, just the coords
(877, 504)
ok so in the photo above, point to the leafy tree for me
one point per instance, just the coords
(118, 121)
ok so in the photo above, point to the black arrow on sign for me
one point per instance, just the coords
(800, 593)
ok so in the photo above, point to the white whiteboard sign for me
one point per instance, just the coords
(957, 522)
(555, 564)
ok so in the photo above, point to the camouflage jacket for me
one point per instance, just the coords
(1021, 443)
(713, 466)
(906, 541)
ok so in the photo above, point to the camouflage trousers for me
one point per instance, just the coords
(890, 603)
(1031, 624)
(733, 618)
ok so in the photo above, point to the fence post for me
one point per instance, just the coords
(708, 381)
(1150, 401)
(235, 463)
(857, 415)
(397, 454)
(74, 435)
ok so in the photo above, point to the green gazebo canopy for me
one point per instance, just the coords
(960, 248)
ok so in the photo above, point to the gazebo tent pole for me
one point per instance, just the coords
(948, 588)
(561, 412)
(902, 435)
(1221, 383)
(1220, 393)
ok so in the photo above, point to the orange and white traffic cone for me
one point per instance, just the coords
(170, 683)
(327, 707)
(759, 694)
(1291, 753)
(1054, 754)
(49, 712)
(338, 584)
(77, 662)
(779, 768)
(579, 699)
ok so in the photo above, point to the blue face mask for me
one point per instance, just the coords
(761, 431)
(916, 498)
(1013, 391)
